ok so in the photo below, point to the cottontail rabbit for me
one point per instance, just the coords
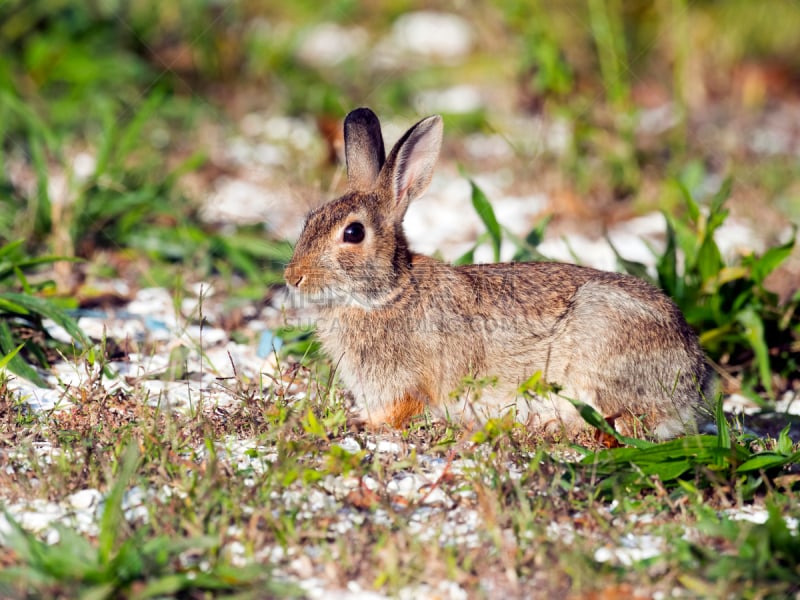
(406, 330)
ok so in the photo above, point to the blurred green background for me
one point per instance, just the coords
(130, 84)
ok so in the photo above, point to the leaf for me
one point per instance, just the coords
(100, 591)
(73, 556)
(128, 562)
(10, 247)
(691, 205)
(16, 364)
(594, 418)
(108, 139)
(762, 267)
(28, 115)
(485, 211)
(525, 251)
(784, 544)
(710, 337)
(130, 136)
(723, 430)
(160, 550)
(723, 276)
(716, 214)
(535, 385)
(7, 358)
(631, 267)
(657, 459)
(784, 445)
(709, 260)
(669, 470)
(49, 310)
(467, 258)
(667, 265)
(24, 544)
(754, 334)
(312, 425)
(26, 287)
(766, 460)
(42, 213)
(111, 522)
(176, 365)
(192, 163)
(167, 585)
(536, 234)
(12, 307)
(259, 247)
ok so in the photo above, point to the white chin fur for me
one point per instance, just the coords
(328, 297)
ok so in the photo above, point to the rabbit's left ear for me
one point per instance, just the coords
(409, 168)
(363, 149)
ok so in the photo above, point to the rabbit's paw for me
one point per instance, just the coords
(396, 414)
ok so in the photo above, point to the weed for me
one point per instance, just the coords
(22, 314)
(740, 322)
(525, 248)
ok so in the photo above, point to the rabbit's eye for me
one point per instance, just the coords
(354, 233)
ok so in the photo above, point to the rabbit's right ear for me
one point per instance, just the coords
(363, 149)
(409, 167)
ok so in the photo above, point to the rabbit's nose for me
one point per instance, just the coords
(293, 276)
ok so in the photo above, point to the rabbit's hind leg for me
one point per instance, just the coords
(397, 413)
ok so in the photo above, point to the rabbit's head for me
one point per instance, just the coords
(353, 250)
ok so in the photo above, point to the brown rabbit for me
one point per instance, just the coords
(407, 331)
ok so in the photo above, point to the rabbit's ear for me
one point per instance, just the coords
(409, 168)
(363, 149)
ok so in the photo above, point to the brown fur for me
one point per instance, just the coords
(403, 410)
(407, 329)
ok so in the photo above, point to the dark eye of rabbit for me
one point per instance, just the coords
(354, 233)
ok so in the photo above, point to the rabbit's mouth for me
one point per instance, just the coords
(334, 297)
(319, 287)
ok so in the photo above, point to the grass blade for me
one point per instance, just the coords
(42, 216)
(485, 211)
(767, 460)
(7, 358)
(716, 213)
(10, 248)
(631, 267)
(771, 259)
(16, 364)
(754, 334)
(48, 310)
(667, 266)
(723, 430)
(111, 523)
(594, 418)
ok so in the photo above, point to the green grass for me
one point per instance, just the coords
(203, 501)
(23, 310)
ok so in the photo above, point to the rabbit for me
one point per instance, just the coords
(410, 333)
